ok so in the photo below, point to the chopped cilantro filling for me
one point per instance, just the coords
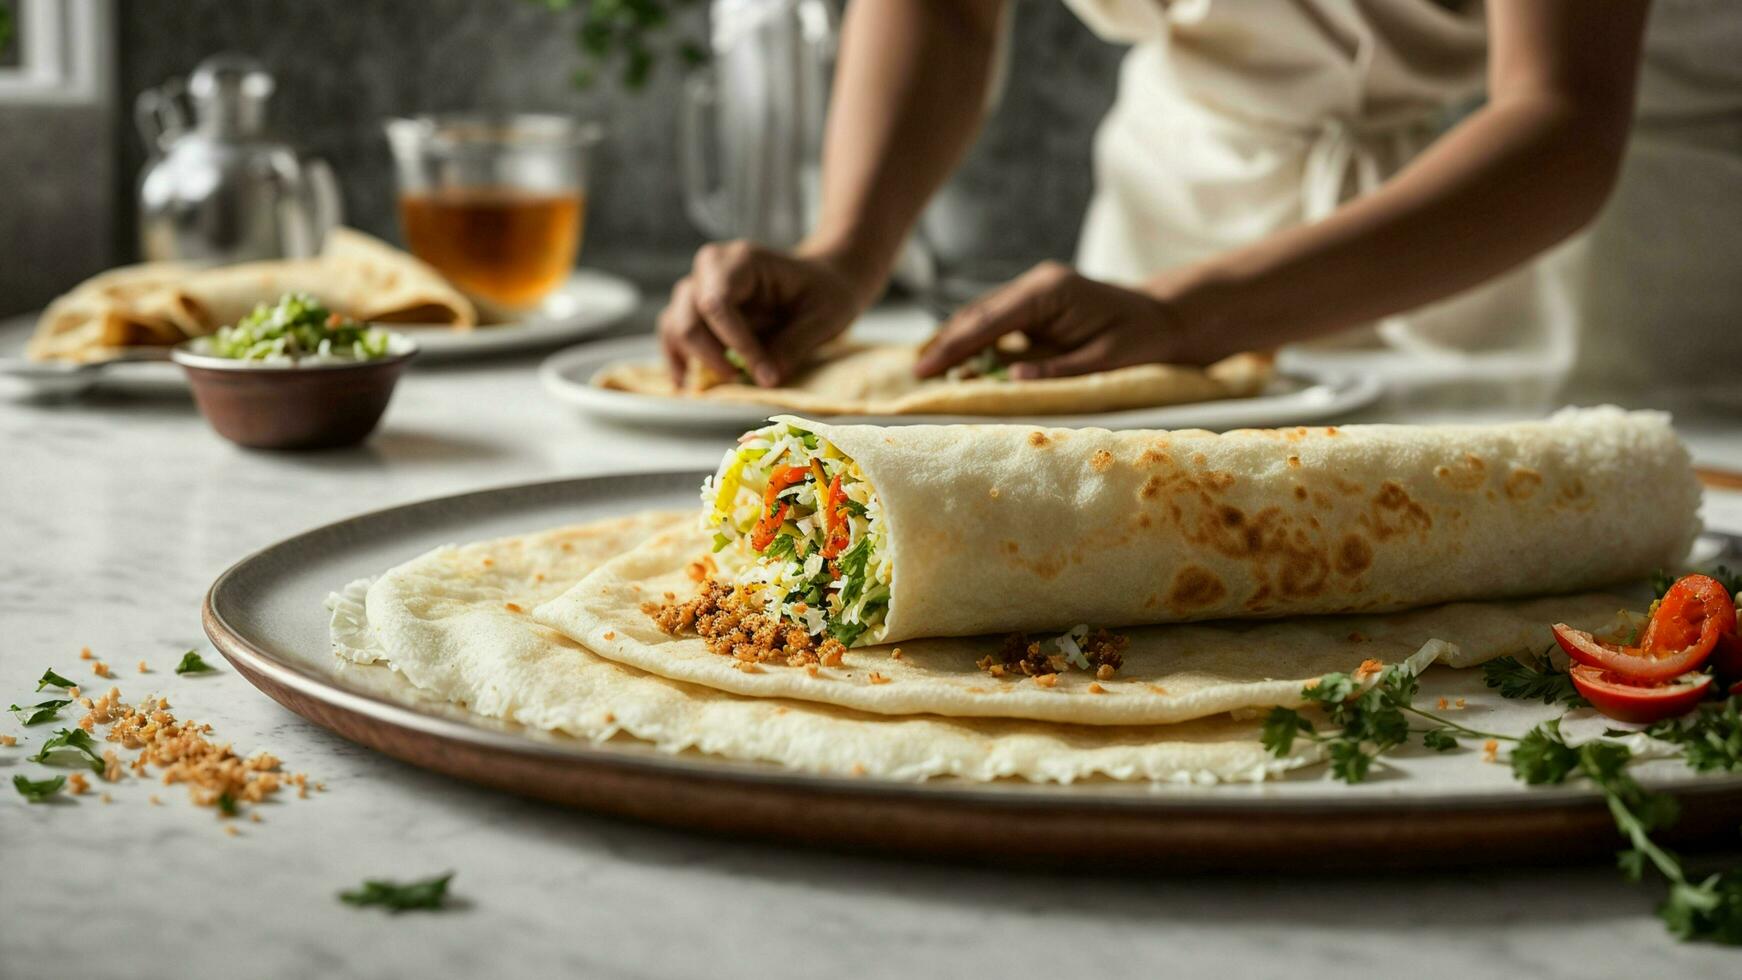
(298, 326)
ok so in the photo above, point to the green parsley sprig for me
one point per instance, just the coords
(1374, 719)
(1520, 681)
(1707, 909)
(51, 679)
(430, 893)
(76, 739)
(1369, 720)
(41, 711)
(1710, 738)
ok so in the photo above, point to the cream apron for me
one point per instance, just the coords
(1236, 118)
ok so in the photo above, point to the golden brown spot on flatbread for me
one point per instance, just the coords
(1011, 547)
(1331, 430)
(1195, 588)
(1395, 500)
(1100, 461)
(993, 493)
(1216, 481)
(1300, 493)
(1523, 483)
(1143, 520)
(1154, 457)
(1304, 570)
(1037, 439)
(1151, 488)
(1466, 476)
(1354, 555)
(1347, 488)
(1199, 459)
(1294, 462)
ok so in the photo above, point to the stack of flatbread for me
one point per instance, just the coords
(160, 304)
(1241, 567)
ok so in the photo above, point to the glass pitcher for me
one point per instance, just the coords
(752, 127)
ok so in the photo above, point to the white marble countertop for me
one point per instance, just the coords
(120, 512)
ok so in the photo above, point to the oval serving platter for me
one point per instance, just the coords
(265, 616)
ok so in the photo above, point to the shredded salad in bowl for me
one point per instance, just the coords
(796, 521)
(298, 328)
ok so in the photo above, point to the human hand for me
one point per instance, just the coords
(1074, 325)
(771, 308)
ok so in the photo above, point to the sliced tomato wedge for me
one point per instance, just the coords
(773, 508)
(1639, 703)
(1684, 629)
(835, 517)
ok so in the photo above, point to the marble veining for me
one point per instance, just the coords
(119, 513)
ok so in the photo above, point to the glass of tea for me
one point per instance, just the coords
(495, 203)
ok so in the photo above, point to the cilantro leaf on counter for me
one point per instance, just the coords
(51, 679)
(192, 664)
(1520, 681)
(32, 714)
(76, 739)
(426, 894)
(37, 790)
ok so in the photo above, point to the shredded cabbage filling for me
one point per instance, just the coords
(796, 522)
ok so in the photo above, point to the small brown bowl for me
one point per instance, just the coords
(321, 405)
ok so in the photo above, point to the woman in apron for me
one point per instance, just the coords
(1280, 172)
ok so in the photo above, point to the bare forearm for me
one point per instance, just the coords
(1506, 185)
(910, 91)
(1521, 174)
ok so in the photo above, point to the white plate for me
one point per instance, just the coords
(587, 303)
(1290, 400)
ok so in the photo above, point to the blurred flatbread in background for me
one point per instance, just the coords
(161, 304)
(877, 379)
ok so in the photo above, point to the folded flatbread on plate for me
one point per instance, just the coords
(858, 379)
(452, 622)
(1171, 673)
(162, 304)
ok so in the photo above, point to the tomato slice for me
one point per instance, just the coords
(1638, 703)
(774, 509)
(1684, 629)
(835, 517)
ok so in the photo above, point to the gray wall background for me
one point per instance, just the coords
(344, 65)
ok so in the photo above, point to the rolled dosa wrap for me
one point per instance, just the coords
(879, 534)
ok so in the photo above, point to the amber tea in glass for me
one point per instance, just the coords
(495, 204)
